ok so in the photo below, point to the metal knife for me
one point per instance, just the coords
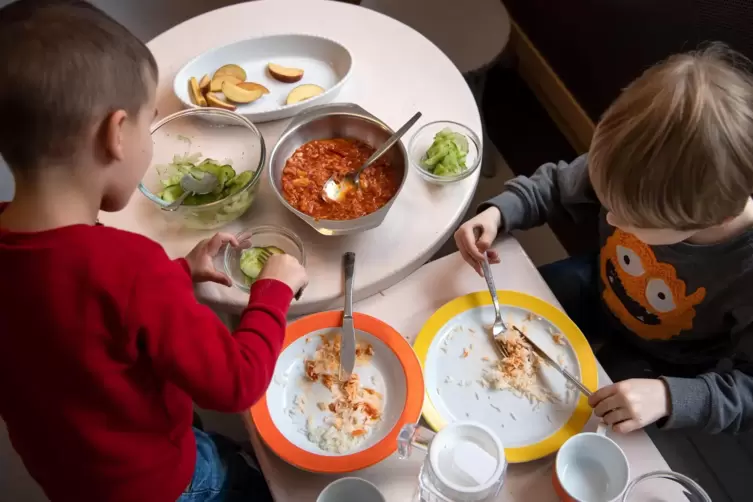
(348, 343)
(572, 378)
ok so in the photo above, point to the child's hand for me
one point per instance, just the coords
(475, 237)
(286, 269)
(631, 404)
(200, 259)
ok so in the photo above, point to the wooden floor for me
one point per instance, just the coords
(525, 136)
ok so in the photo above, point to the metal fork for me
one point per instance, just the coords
(499, 326)
(265, 255)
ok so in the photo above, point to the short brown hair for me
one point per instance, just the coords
(675, 150)
(64, 66)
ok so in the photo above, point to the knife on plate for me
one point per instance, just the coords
(554, 364)
(348, 339)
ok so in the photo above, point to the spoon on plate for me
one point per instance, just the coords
(190, 185)
(334, 191)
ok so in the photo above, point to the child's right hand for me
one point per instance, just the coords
(475, 237)
(286, 269)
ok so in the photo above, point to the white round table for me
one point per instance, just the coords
(396, 72)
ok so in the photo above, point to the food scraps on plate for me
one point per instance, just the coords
(312, 164)
(228, 87)
(519, 372)
(353, 410)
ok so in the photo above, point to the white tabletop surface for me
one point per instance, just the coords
(406, 307)
(396, 72)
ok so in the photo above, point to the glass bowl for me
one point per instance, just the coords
(265, 235)
(423, 139)
(660, 486)
(210, 133)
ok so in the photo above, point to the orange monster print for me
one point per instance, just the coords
(644, 294)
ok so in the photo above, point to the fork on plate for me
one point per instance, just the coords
(499, 326)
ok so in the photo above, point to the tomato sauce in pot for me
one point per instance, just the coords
(312, 164)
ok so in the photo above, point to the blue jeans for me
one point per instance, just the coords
(224, 473)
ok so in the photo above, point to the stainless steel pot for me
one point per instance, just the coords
(341, 120)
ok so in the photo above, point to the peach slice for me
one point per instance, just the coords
(216, 84)
(232, 70)
(303, 92)
(196, 96)
(239, 95)
(213, 100)
(252, 86)
(204, 83)
(284, 74)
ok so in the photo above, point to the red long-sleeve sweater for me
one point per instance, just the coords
(103, 348)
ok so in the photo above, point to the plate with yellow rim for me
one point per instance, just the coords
(455, 350)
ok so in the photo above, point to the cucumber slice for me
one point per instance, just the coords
(172, 180)
(238, 182)
(227, 173)
(253, 260)
(199, 199)
(170, 193)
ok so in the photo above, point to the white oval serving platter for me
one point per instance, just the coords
(325, 63)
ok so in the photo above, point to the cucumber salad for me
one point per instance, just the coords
(253, 260)
(229, 183)
(232, 188)
(446, 155)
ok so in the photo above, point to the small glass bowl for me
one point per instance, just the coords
(217, 134)
(664, 485)
(423, 139)
(265, 235)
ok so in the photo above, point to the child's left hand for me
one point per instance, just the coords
(631, 404)
(200, 259)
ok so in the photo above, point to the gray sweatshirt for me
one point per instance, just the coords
(684, 304)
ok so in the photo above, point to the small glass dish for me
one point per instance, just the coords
(660, 486)
(208, 133)
(423, 139)
(261, 236)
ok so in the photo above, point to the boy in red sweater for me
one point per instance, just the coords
(103, 347)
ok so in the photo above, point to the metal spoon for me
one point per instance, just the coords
(334, 191)
(190, 186)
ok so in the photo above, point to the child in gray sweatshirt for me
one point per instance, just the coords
(669, 176)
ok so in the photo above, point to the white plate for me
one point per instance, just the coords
(500, 410)
(325, 62)
(383, 374)
(454, 383)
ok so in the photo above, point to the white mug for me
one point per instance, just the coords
(351, 490)
(590, 467)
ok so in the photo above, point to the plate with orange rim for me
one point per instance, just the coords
(294, 406)
(455, 351)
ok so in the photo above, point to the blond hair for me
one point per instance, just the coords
(675, 150)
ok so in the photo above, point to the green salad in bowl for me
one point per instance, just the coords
(196, 142)
(228, 182)
(446, 155)
(444, 152)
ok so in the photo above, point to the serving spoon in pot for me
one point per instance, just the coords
(334, 191)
